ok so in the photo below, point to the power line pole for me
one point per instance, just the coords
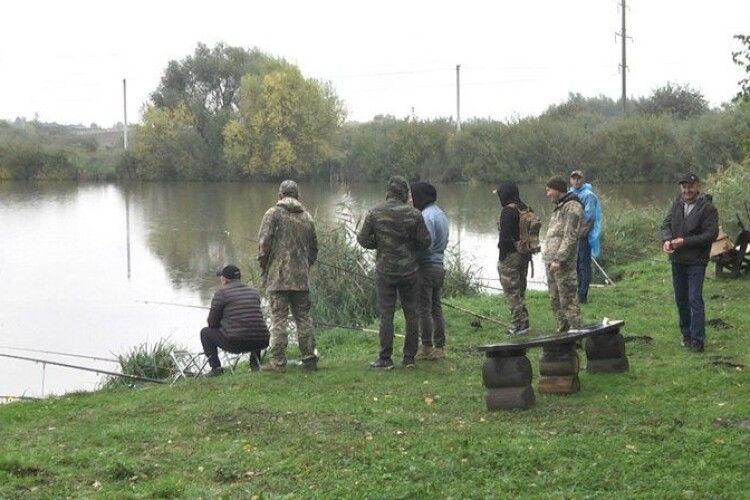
(125, 113)
(458, 97)
(623, 65)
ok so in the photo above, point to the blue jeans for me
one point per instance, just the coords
(688, 294)
(583, 268)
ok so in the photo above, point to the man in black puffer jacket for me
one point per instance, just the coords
(235, 321)
(689, 229)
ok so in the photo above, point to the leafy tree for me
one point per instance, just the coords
(207, 84)
(168, 145)
(741, 58)
(681, 101)
(286, 124)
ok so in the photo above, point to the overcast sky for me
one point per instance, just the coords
(65, 60)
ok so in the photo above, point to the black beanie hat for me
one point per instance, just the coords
(422, 194)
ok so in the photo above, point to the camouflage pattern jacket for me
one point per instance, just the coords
(562, 233)
(287, 246)
(397, 231)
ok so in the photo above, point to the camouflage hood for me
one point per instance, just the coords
(398, 189)
(290, 204)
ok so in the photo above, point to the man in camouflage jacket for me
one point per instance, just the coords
(287, 247)
(560, 254)
(398, 232)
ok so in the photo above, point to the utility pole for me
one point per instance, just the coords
(623, 65)
(125, 113)
(458, 97)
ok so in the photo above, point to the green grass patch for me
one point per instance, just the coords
(348, 432)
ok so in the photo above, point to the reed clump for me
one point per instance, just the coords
(146, 360)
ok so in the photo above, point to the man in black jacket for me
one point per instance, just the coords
(511, 265)
(235, 321)
(688, 231)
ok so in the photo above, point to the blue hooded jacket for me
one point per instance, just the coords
(592, 212)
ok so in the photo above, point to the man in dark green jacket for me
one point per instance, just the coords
(689, 229)
(398, 232)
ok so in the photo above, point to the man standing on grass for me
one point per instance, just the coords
(589, 244)
(398, 232)
(561, 253)
(235, 321)
(431, 273)
(287, 248)
(513, 260)
(689, 229)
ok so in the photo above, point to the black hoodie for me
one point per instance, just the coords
(509, 217)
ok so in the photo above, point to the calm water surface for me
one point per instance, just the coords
(78, 260)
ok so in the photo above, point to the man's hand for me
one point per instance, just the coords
(554, 266)
(678, 243)
(667, 247)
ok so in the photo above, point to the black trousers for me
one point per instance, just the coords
(407, 289)
(213, 338)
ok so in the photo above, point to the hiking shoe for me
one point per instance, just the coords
(409, 363)
(215, 372)
(382, 364)
(687, 342)
(272, 367)
(437, 354)
(518, 330)
(424, 352)
(696, 346)
(310, 364)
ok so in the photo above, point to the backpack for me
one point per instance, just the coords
(529, 226)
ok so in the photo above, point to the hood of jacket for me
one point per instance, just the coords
(584, 188)
(290, 204)
(397, 189)
(508, 193)
(423, 194)
(569, 196)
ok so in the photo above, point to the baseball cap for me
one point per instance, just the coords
(577, 173)
(230, 272)
(689, 178)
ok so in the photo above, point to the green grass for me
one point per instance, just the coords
(348, 432)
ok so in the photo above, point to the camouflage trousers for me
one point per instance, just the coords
(563, 296)
(513, 270)
(299, 303)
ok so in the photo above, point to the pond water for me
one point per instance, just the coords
(77, 261)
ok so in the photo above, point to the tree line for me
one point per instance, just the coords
(229, 113)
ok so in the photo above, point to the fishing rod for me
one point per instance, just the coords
(332, 325)
(606, 277)
(82, 356)
(373, 279)
(84, 368)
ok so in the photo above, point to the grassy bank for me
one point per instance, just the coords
(347, 432)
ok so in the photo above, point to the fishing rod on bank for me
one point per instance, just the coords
(83, 368)
(56, 353)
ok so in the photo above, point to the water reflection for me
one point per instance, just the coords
(77, 260)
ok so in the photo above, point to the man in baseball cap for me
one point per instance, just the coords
(688, 230)
(235, 321)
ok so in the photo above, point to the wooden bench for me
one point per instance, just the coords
(507, 372)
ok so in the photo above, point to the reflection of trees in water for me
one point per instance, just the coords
(18, 193)
(194, 229)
